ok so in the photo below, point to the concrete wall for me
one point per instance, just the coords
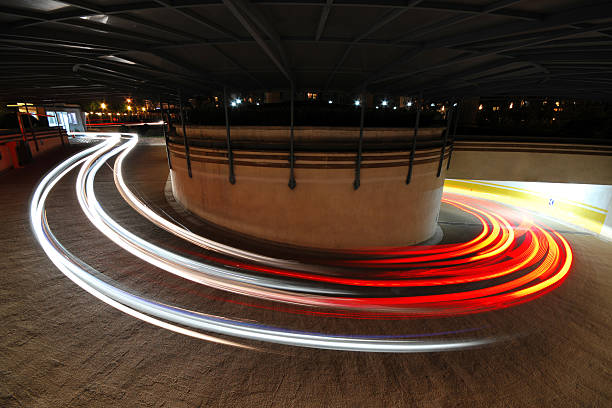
(324, 210)
(554, 163)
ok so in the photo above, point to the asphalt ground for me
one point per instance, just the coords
(61, 347)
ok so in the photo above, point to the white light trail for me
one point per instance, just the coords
(151, 311)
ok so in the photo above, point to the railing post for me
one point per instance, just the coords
(185, 134)
(357, 181)
(452, 146)
(228, 140)
(165, 133)
(292, 182)
(414, 138)
(449, 118)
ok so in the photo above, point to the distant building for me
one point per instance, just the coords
(70, 117)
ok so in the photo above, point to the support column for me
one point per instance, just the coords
(164, 132)
(452, 146)
(228, 140)
(292, 182)
(32, 129)
(357, 181)
(449, 118)
(59, 128)
(414, 138)
(185, 140)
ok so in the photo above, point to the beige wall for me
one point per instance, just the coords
(324, 210)
(532, 162)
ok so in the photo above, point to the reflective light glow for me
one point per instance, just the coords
(510, 261)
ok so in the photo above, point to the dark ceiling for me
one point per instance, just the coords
(96, 48)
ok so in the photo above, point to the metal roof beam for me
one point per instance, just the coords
(386, 19)
(323, 19)
(200, 20)
(461, 18)
(253, 25)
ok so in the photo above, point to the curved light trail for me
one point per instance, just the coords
(511, 260)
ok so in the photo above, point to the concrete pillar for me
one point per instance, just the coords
(469, 110)
(324, 210)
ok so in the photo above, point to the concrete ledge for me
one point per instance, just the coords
(544, 162)
(306, 134)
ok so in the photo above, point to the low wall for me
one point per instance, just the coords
(543, 162)
(323, 211)
(46, 140)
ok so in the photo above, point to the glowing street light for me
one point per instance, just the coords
(103, 105)
(357, 102)
(144, 109)
(384, 102)
(129, 100)
(129, 108)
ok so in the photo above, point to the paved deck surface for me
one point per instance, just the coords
(60, 347)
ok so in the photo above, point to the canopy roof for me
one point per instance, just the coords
(94, 48)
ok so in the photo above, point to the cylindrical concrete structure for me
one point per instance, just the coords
(323, 211)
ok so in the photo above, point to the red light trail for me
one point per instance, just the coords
(514, 257)
(511, 260)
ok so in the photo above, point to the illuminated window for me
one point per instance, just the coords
(312, 96)
(51, 118)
